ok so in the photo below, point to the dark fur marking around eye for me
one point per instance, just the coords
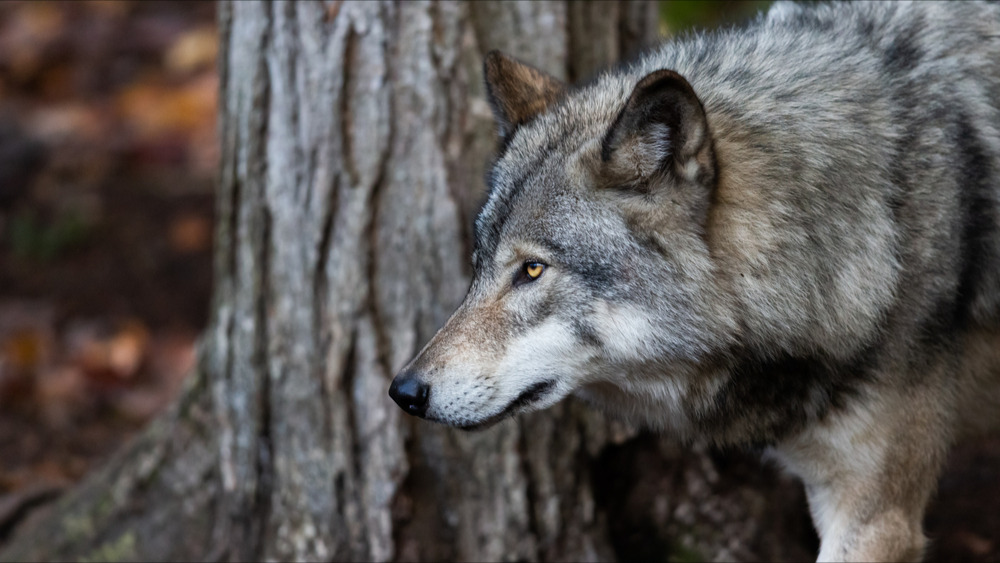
(596, 271)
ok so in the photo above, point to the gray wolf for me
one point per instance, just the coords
(785, 235)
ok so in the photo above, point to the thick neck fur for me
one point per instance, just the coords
(769, 226)
(807, 318)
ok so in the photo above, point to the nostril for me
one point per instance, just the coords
(410, 393)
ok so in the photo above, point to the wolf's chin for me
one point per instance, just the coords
(531, 395)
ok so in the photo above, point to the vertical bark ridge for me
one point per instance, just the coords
(320, 281)
(638, 28)
(238, 391)
(593, 37)
(295, 527)
(264, 462)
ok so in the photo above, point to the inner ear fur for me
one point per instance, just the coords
(661, 129)
(517, 92)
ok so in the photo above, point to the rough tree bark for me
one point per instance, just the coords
(354, 138)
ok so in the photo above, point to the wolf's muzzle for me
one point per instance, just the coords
(411, 394)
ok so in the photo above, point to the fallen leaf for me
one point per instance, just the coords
(193, 51)
(108, 358)
(23, 350)
(190, 233)
(128, 348)
(156, 110)
(26, 344)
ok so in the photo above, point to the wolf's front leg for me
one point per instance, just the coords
(889, 534)
(869, 472)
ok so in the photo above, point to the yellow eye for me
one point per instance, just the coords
(534, 269)
(528, 273)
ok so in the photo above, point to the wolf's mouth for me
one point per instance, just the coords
(530, 395)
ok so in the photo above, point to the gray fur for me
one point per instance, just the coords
(819, 260)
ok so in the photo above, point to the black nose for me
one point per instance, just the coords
(410, 393)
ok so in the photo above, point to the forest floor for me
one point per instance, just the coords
(107, 163)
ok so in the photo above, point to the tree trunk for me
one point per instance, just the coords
(354, 138)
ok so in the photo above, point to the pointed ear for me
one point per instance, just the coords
(661, 129)
(517, 92)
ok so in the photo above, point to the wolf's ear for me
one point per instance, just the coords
(516, 91)
(661, 129)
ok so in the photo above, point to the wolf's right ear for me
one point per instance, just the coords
(517, 92)
(661, 129)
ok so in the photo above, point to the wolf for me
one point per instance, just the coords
(784, 235)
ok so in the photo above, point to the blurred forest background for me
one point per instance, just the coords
(108, 152)
(108, 157)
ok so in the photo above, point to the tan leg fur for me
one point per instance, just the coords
(870, 472)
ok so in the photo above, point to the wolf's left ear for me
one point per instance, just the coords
(661, 129)
(517, 92)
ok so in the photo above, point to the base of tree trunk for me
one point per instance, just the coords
(156, 499)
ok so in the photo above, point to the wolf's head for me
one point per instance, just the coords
(591, 269)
